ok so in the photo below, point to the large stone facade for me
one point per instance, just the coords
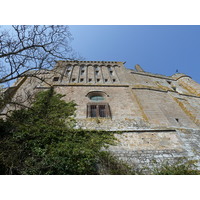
(159, 116)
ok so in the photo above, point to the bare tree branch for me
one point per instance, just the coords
(23, 48)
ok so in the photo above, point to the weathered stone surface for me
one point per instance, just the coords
(159, 116)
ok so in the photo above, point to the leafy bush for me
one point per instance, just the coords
(41, 140)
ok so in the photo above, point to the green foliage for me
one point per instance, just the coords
(42, 140)
(181, 167)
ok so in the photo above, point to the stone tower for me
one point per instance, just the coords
(158, 116)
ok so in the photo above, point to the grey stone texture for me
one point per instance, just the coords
(158, 116)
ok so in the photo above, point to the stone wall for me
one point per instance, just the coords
(147, 150)
(158, 115)
(119, 98)
(162, 110)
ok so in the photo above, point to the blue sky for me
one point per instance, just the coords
(157, 49)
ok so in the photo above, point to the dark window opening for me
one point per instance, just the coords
(102, 111)
(55, 78)
(114, 80)
(73, 80)
(81, 80)
(82, 67)
(169, 82)
(174, 88)
(69, 66)
(82, 72)
(90, 80)
(106, 80)
(98, 80)
(177, 119)
(93, 111)
(98, 110)
(67, 72)
(96, 72)
(111, 72)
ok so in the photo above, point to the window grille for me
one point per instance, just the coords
(98, 110)
(93, 109)
(102, 111)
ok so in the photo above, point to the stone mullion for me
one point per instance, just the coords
(102, 76)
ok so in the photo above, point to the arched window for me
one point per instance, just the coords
(97, 107)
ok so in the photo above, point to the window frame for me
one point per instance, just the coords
(98, 111)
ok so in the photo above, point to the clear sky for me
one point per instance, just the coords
(157, 49)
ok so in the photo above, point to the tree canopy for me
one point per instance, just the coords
(42, 140)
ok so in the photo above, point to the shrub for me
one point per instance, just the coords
(42, 140)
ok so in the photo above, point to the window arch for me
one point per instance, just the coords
(97, 93)
(97, 107)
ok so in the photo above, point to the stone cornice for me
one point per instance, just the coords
(90, 62)
(83, 85)
(153, 75)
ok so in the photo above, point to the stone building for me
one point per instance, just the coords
(158, 116)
